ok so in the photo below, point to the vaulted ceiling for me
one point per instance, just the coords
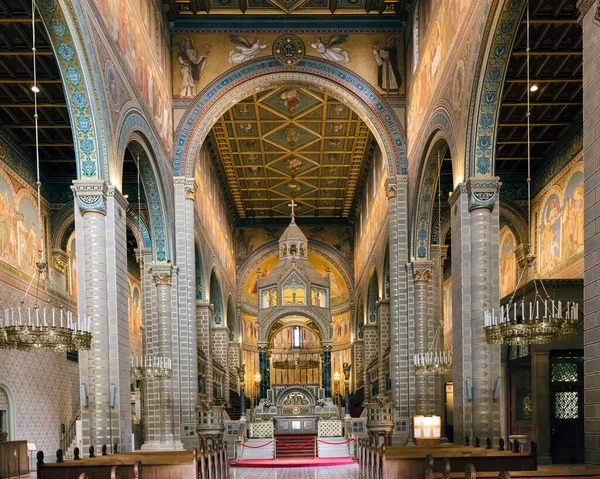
(292, 143)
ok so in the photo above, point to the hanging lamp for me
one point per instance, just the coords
(39, 328)
(543, 319)
(435, 361)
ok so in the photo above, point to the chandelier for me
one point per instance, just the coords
(297, 363)
(34, 328)
(541, 320)
(150, 367)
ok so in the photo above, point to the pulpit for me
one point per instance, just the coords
(13, 459)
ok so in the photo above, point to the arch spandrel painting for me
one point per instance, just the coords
(19, 225)
(338, 291)
(200, 58)
(508, 263)
(341, 327)
(559, 209)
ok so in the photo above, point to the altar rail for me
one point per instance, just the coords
(209, 464)
(399, 462)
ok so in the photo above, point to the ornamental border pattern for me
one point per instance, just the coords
(77, 96)
(136, 123)
(427, 195)
(343, 83)
(490, 94)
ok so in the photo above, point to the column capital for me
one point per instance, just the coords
(142, 255)
(391, 187)
(421, 270)
(483, 192)
(162, 273)
(113, 192)
(90, 195)
(60, 260)
(190, 189)
(442, 249)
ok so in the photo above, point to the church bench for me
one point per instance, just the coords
(550, 474)
(209, 464)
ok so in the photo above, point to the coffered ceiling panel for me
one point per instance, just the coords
(292, 143)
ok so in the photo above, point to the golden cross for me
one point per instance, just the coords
(291, 205)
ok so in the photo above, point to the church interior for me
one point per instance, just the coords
(244, 235)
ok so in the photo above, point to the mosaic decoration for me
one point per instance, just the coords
(216, 298)
(288, 49)
(77, 96)
(372, 297)
(428, 198)
(152, 192)
(197, 122)
(360, 319)
(491, 91)
(291, 142)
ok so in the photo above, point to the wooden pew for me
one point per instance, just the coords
(471, 473)
(204, 464)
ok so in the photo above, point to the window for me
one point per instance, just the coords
(296, 337)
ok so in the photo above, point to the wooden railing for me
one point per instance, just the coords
(67, 437)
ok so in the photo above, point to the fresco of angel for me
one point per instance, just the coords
(247, 49)
(326, 47)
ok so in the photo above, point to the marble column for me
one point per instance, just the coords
(438, 257)
(263, 364)
(400, 301)
(540, 392)
(203, 343)
(100, 212)
(421, 271)
(186, 369)
(327, 371)
(475, 288)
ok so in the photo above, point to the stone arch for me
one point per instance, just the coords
(216, 297)
(139, 228)
(232, 325)
(443, 229)
(200, 285)
(265, 73)
(132, 138)
(482, 123)
(66, 31)
(360, 318)
(511, 215)
(62, 225)
(320, 320)
(429, 176)
(372, 297)
(12, 412)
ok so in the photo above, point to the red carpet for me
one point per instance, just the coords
(299, 462)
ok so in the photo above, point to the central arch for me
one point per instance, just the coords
(266, 73)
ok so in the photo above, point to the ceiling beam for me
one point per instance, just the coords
(19, 20)
(545, 80)
(543, 103)
(25, 53)
(31, 127)
(524, 142)
(547, 53)
(532, 124)
(31, 105)
(552, 21)
(517, 158)
(49, 145)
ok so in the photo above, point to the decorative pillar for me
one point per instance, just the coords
(169, 439)
(242, 379)
(439, 253)
(347, 370)
(540, 392)
(100, 212)
(185, 366)
(421, 271)
(263, 364)
(383, 321)
(475, 288)
(400, 300)
(327, 370)
(204, 345)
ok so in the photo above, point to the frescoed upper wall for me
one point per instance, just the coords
(198, 58)
(371, 221)
(508, 262)
(212, 216)
(140, 34)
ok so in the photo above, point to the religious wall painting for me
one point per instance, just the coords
(72, 266)
(447, 312)
(112, 85)
(329, 48)
(341, 327)
(572, 231)
(8, 224)
(508, 262)
(249, 329)
(246, 48)
(143, 49)
(377, 58)
(28, 237)
(134, 308)
(2, 150)
(550, 234)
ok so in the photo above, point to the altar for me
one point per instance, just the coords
(296, 425)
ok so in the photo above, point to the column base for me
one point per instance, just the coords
(163, 446)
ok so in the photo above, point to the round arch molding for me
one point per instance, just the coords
(320, 320)
(482, 125)
(266, 73)
(89, 132)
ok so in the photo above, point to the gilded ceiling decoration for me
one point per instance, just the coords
(289, 143)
